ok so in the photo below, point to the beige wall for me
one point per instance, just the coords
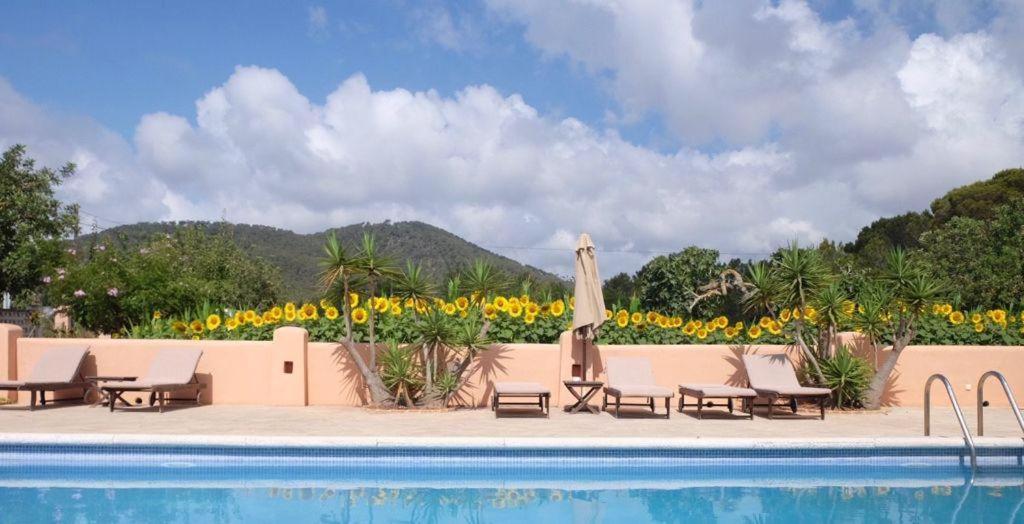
(322, 374)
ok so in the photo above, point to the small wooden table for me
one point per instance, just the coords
(583, 390)
(104, 398)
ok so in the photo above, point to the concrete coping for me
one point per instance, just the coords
(511, 443)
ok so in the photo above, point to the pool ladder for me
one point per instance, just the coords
(982, 403)
(968, 439)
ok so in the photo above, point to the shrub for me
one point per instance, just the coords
(848, 376)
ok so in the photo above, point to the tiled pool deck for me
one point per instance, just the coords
(895, 423)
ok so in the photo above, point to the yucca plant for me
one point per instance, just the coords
(848, 376)
(399, 372)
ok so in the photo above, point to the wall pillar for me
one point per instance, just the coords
(289, 376)
(9, 335)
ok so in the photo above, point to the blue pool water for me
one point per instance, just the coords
(264, 484)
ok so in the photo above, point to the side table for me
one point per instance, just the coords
(103, 398)
(583, 390)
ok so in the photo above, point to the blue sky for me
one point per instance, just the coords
(736, 125)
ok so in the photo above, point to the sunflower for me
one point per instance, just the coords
(381, 304)
(532, 309)
(557, 308)
(622, 321)
(490, 311)
(396, 301)
(698, 324)
(754, 332)
(231, 323)
(239, 317)
(738, 326)
(514, 310)
(353, 299)
(702, 333)
(608, 314)
(213, 322)
(947, 309)
(331, 313)
(409, 303)
(276, 312)
(449, 309)
(257, 322)
(249, 315)
(956, 318)
(677, 321)
(796, 313)
(359, 315)
(324, 303)
(765, 321)
(785, 315)
(462, 303)
(157, 315)
(976, 318)
(730, 333)
(528, 318)
(268, 317)
(663, 322)
(179, 326)
(690, 328)
(722, 322)
(290, 306)
(774, 328)
(310, 311)
(636, 318)
(196, 326)
(979, 327)
(652, 317)
(396, 310)
(501, 303)
(289, 316)
(998, 316)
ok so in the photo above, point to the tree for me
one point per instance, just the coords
(33, 222)
(892, 309)
(980, 199)
(982, 260)
(109, 287)
(669, 283)
(339, 269)
(619, 290)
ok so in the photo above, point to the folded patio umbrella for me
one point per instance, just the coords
(588, 314)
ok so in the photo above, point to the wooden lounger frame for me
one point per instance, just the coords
(157, 394)
(42, 387)
(649, 404)
(700, 404)
(791, 404)
(543, 402)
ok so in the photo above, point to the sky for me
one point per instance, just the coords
(738, 125)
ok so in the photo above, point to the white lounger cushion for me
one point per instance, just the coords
(520, 388)
(715, 390)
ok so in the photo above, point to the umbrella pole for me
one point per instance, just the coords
(583, 368)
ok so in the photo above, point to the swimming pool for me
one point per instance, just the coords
(135, 480)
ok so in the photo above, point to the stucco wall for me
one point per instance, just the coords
(294, 372)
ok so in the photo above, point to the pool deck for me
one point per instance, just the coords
(479, 425)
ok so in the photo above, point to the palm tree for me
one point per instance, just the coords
(911, 292)
(375, 269)
(434, 332)
(482, 280)
(338, 270)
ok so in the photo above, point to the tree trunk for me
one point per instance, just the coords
(873, 397)
(373, 336)
(881, 379)
(379, 393)
(808, 354)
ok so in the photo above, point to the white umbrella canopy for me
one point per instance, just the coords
(588, 314)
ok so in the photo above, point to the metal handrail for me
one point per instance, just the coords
(956, 409)
(1009, 396)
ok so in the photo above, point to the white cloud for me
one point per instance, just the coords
(818, 129)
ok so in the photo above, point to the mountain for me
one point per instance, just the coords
(441, 253)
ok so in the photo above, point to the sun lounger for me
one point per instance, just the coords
(633, 378)
(773, 377)
(717, 392)
(170, 371)
(521, 390)
(58, 369)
